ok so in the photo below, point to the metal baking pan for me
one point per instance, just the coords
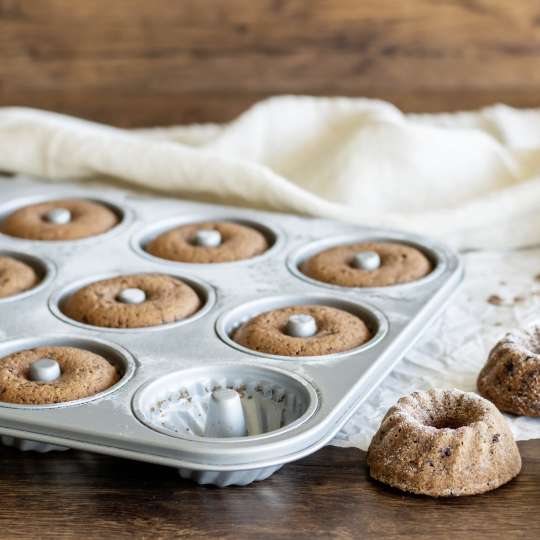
(303, 401)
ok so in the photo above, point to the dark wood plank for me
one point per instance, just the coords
(327, 495)
(134, 62)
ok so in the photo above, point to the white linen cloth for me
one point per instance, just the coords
(470, 178)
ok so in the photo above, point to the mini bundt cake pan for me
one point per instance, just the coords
(229, 478)
(511, 376)
(444, 443)
(227, 405)
(300, 402)
(26, 445)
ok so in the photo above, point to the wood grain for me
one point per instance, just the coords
(328, 495)
(134, 62)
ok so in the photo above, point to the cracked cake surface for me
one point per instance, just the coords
(444, 443)
(511, 376)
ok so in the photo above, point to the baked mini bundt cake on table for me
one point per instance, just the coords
(511, 376)
(444, 443)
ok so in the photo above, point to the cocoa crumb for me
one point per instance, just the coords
(495, 299)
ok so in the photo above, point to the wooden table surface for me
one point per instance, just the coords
(327, 495)
(135, 62)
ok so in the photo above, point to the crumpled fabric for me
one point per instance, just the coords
(470, 178)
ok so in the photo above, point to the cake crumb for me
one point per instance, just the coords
(495, 299)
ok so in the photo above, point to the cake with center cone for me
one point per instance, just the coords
(15, 276)
(133, 301)
(368, 264)
(209, 242)
(310, 330)
(79, 374)
(443, 443)
(65, 219)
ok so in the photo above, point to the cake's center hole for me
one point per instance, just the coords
(58, 216)
(301, 325)
(131, 295)
(366, 260)
(207, 238)
(44, 370)
(451, 421)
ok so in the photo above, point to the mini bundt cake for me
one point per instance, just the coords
(16, 276)
(335, 330)
(444, 443)
(81, 374)
(511, 376)
(159, 299)
(66, 219)
(233, 242)
(396, 264)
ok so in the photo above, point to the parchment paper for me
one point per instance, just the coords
(456, 346)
